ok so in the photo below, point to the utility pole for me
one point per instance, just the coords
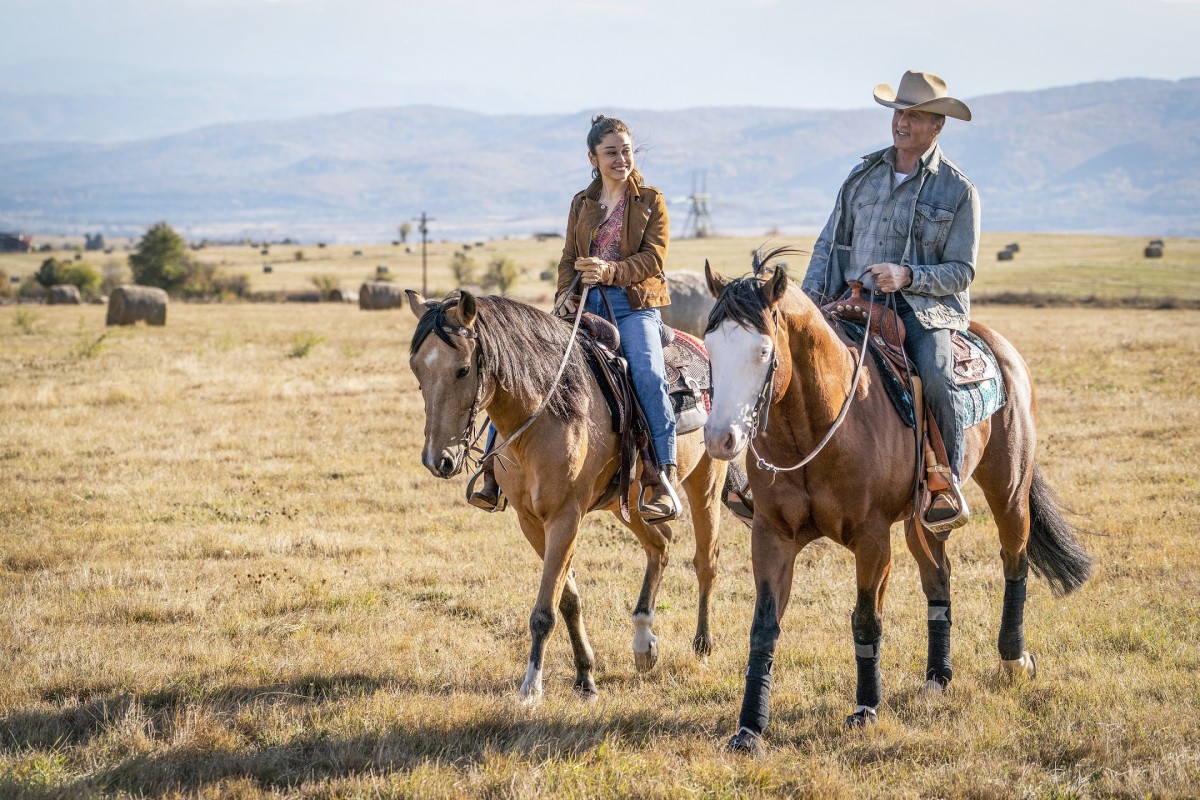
(424, 229)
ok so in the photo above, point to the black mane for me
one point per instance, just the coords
(743, 300)
(521, 348)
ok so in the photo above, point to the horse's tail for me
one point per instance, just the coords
(1054, 550)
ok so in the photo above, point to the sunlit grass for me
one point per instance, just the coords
(224, 572)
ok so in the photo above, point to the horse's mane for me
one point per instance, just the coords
(743, 301)
(521, 348)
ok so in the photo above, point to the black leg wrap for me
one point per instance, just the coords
(937, 660)
(870, 685)
(764, 633)
(1012, 621)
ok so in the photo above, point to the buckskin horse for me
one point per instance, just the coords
(862, 481)
(501, 356)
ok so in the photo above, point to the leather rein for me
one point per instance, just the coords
(762, 406)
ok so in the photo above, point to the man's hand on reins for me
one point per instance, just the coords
(890, 277)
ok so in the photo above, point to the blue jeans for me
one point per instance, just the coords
(933, 358)
(641, 344)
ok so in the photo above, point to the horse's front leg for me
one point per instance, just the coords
(873, 564)
(571, 607)
(935, 581)
(555, 542)
(773, 560)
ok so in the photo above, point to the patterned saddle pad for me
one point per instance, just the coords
(689, 380)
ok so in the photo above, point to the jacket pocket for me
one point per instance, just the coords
(931, 225)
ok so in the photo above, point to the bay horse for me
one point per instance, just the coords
(502, 356)
(862, 481)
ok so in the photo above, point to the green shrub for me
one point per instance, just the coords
(502, 274)
(464, 269)
(49, 273)
(326, 285)
(161, 259)
(82, 275)
(6, 289)
(303, 344)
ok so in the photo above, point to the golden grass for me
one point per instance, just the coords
(225, 573)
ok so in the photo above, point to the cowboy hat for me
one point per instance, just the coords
(922, 91)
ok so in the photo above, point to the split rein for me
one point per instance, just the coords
(762, 406)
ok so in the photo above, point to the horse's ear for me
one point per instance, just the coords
(716, 281)
(464, 313)
(416, 301)
(776, 285)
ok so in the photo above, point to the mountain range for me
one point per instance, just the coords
(1116, 157)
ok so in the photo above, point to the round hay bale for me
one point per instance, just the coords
(1153, 251)
(130, 304)
(1156, 242)
(1013, 248)
(380, 295)
(63, 294)
(691, 302)
(1004, 255)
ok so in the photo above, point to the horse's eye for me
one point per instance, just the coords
(463, 372)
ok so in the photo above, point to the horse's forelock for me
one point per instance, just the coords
(742, 302)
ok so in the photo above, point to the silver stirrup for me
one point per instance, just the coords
(662, 477)
(944, 526)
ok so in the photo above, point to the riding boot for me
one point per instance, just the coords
(488, 496)
(662, 503)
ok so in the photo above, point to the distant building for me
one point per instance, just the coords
(15, 243)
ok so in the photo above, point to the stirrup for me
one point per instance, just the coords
(676, 505)
(477, 499)
(942, 527)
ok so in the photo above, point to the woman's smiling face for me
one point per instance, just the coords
(613, 157)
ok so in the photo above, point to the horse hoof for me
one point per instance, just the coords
(863, 718)
(586, 690)
(932, 689)
(747, 743)
(646, 661)
(1018, 668)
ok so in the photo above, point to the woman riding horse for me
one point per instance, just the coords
(500, 356)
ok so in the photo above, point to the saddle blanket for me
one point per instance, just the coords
(980, 387)
(689, 380)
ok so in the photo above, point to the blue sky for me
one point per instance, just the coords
(561, 56)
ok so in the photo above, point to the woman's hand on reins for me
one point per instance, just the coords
(595, 270)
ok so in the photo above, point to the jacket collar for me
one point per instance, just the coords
(592, 192)
(931, 159)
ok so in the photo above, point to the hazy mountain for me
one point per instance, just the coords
(1120, 156)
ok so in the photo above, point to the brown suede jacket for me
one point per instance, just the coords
(645, 233)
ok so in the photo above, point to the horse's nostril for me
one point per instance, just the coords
(445, 465)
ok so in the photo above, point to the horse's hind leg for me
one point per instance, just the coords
(703, 486)
(656, 541)
(585, 660)
(935, 581)
(1005, 474)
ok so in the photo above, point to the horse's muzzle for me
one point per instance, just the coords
(445, 464)
(723, 445)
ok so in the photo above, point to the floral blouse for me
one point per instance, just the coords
(606, 241)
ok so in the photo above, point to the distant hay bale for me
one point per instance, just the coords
(267, 269)
(691, 302)
(64, 294)
(1156, 242)
(380, 295)
(130, 303)
(1004, 255)
(1153, 251)
(1013, 248)
(382, 270)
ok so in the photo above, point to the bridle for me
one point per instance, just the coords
(762, 406)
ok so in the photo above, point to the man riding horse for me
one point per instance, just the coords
(906, 223)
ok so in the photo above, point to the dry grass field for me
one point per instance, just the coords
(224, 573)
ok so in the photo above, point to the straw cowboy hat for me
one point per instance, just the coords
(922, 91)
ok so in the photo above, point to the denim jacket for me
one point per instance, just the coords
(942, 249)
